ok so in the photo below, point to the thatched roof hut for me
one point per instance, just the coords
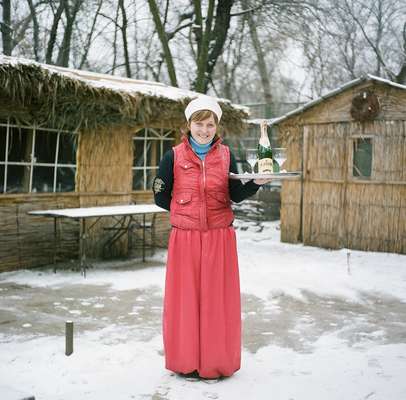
(351, 148)
(71, 138)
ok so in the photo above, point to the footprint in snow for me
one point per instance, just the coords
(211, 395)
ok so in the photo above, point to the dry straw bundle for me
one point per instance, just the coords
(55, 98)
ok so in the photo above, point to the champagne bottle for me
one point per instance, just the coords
(265, 164)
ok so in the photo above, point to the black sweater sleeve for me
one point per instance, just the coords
(163, 182)
(238, 191)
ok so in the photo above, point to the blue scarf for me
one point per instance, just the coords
(200, 149)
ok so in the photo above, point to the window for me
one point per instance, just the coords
(36, 159)
(149, 145)
(362, 158)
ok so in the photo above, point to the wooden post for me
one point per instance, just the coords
(69, 338)
(143, 237)
(304, 178)
(82, 246)
(56, 239)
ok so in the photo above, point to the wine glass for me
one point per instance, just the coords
(251, 155)
(279, 155)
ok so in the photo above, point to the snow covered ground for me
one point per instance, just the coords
(317, 324)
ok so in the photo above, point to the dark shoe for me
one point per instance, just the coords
(190, 376)
(211, 380)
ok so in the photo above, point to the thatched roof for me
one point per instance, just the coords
(332, 93)
(71, 99)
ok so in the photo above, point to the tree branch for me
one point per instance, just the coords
(170, 35)
(248, 11)
(164, 41)
(374, 48)
(111, 20)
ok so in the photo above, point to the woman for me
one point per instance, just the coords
(202, 312)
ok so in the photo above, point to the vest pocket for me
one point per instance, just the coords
(183, 198)
(217, 201)
(187, 167)
(185, 206)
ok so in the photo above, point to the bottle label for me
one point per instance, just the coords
(265, 165)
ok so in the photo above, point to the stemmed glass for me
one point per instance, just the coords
(251, 155)
(279, 155)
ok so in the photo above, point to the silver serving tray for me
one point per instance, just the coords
(273, 176)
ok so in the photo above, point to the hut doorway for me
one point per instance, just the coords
(325, 168)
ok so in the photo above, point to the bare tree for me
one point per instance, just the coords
(383, 14)
(164, 41)
(123, 29)
(90, 35)
(262, 68)
(115, 35)
(210, 39)
(229, 62)
(35, 29)
(71, 12)
(13, 30)
(57, 14)
(366, 37)
(6, 29)
(231, 47)
(209, 33)
(401, 76)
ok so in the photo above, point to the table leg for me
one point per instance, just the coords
(82, 246)
(129, 235)
(143, 238)
(55, 244)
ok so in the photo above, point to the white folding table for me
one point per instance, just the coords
(123, 214)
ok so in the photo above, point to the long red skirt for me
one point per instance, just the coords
(202, 306)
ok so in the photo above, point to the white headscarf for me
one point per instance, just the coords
(203, 103)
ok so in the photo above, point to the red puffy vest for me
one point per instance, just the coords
(200, 196)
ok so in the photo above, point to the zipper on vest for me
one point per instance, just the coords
(204, 197)
(204, 176)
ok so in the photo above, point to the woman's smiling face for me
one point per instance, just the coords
(203, 131)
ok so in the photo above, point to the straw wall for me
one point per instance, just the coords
(104, 161)
(389, 158)
(291, 200)
(322, 214)
(28, 241)
(291, 193)
(375, 217)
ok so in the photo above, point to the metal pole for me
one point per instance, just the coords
(68, 338)
(143, 238)
(55, 244)
(82, 246)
